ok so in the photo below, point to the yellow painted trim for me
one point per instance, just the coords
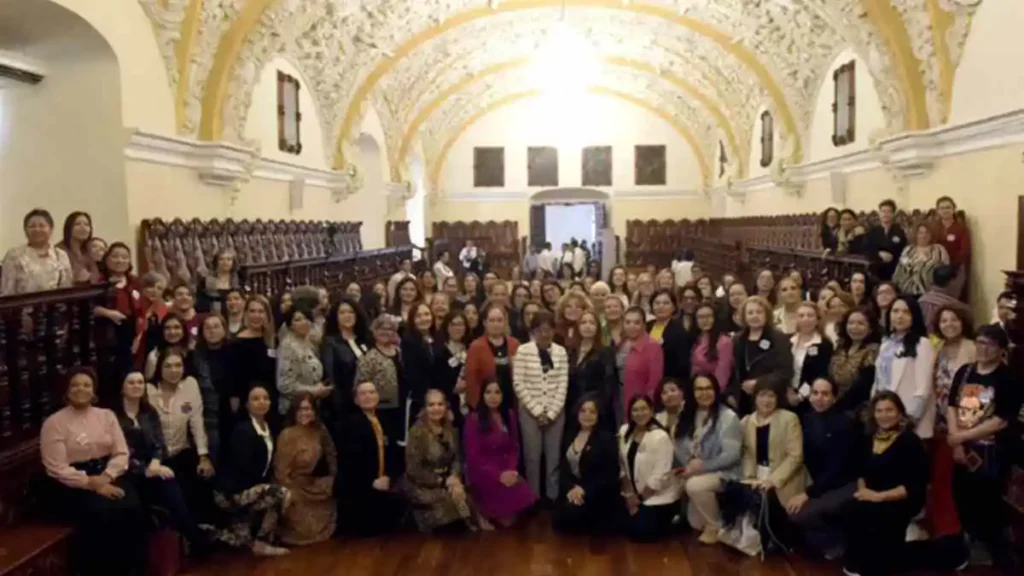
(211, 126)
(725, 41)
(435, 172)
(942, 21)
(908, 66)
(183, 56)
(427, 111)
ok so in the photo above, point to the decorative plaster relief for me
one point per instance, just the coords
(166, 17)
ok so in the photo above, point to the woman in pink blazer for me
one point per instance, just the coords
(639, 359)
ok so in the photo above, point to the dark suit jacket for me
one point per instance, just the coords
(774, 366)
(595, 374)
(359, 460)
(676, 344)
(878, 240)
(244, 459)
(815, 365)
(599, 469)
(417, 368)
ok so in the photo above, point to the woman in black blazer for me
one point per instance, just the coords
(592, 372)
(346, 338)
(588, 494)
(252, 503)
(761, 354)
(371, 502)
(450, 349)
(418, 357)
(666, 329)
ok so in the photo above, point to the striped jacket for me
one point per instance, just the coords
(541, 394)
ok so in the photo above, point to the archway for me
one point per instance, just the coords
(561, 215)
(372, 198)
(61, 140)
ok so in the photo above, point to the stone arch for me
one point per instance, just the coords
(42, 127)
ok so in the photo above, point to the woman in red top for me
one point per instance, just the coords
(116, 320)
(490, 357)
(954, 236)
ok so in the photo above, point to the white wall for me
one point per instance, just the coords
(261, 122)
(990, 78)
(598, 121)
(870, 119)
(61, 140)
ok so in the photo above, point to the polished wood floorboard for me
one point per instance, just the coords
(532, 549)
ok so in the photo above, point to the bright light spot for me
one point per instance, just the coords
(563, 68)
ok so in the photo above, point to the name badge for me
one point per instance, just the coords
(135, 294)
(661, 341)
(804, 391)
(895, 239)
(194, 330)
(950, 237)
(271, 353)
(503, 361)
(453, 361)
(82, 439)
(765, 344)
(812, 351)
(186, 408)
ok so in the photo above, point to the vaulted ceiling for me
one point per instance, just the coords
(430, 68)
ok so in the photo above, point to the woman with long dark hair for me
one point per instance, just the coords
(712, 350)
(708, 445)
(906, 365)
(407, 295)
(450, 348)
(852, 367)
(649, 488)
(492, 458)
(588, 473)
(891, 487)
(418, 356)
(117, 317)
(346, 339)
(675, 339)
(75, 243)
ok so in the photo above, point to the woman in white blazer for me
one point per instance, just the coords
(540, 376)
(906, 364)
(649, 485)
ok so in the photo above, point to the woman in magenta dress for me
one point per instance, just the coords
(492, 459)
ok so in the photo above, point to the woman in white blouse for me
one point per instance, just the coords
(540, 376)
(906, 363)
(179, 403)
(298, 362)
(648, 483)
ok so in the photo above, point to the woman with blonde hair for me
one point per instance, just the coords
(789, 299)
(567, 317)
(643, 293)
(762, 355)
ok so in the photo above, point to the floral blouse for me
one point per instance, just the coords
(26, 270)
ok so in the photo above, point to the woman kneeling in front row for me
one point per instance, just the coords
(588, 473)
(648, 484)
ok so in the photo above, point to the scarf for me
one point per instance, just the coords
(883, 439)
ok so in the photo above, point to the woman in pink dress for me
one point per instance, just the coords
(492, 459)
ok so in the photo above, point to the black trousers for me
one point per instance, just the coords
(197, 492)
(876, 536)
(983, 514)
(651, 523)
(595, 516)
(110, 535)
(374, 513)
(167, 497)
(819, 521)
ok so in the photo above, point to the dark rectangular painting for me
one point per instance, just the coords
(650, 165)
(542, 166)
(597, 166)
(488, 167)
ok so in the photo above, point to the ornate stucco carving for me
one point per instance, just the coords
(166, 18)
(956, 36)
(214, 20)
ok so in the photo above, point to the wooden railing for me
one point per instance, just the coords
(499, 240)
(42, 335)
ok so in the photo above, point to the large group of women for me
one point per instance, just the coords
(653, 402)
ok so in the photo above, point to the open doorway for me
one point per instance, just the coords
(562, 214)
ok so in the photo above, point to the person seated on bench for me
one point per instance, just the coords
(85, 453)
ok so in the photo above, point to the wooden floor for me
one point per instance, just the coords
(529, 550)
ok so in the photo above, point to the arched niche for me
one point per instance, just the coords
(61, 140)
(146, 99)
(869, 117)
(569, 196)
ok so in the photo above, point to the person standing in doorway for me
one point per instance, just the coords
(468, 254)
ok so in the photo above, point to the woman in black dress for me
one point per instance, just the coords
(251, 357)
(592, 372)
(890, 490)
(346, 338)
(418, 356)
(588, 494)
(449, 362)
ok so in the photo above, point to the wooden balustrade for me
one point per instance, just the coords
(184, 251)
(745, 245)
(499, 241)
(42, 335)
(396, 233)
